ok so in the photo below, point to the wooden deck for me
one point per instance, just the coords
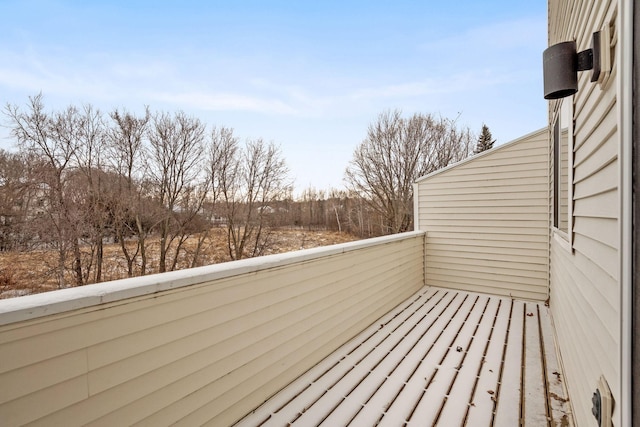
(443, 357)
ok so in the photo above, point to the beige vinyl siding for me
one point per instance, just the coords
(205, 353)
(487, 221)
(584, 280)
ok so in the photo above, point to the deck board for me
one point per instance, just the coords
(535, 407)
(442, 357)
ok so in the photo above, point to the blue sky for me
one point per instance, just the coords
(308, 75)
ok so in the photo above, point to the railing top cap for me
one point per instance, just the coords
(18, 309)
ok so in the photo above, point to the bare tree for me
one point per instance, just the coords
(126, 137)
(53, 140)
(362, 219)
(176, 144)
(337, 203)
(394, 154)
(246, 180)
(14, 200)
(313, 214)
(90, 187)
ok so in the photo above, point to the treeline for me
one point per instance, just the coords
(80, 179)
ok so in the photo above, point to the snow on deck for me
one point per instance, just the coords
(442, 357)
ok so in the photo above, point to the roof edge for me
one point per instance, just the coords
(484, 153)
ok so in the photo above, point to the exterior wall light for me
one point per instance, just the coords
(561, 64)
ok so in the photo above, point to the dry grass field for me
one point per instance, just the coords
(23, 273)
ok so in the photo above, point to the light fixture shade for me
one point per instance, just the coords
(560, 69)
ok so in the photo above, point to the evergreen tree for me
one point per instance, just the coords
(485, 141)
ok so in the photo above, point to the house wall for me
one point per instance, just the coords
(584, 274)
(487, 221)
(195, 347)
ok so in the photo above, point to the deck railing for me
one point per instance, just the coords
(205, 345)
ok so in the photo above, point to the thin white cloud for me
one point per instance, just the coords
(32, 72)
(135, 70)
(115, 79)
(498, 36)
(462, 82)
(225, 102)
(100, 78)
